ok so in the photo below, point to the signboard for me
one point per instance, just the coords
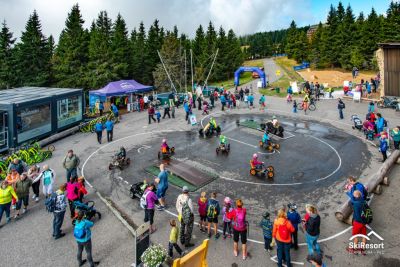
(278, 72)
(193, 120)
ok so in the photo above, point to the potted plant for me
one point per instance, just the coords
(154, 256)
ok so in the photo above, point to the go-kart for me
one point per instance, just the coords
(166, 154)
(210, 131)
(268, 171)
(270, 128)
(223, 148)
(118, 162)
(269, 145)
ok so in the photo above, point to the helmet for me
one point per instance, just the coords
(227, 200)
(122, 148)
(255, 155)
(266, 215)
(164, 141)
(274, 117)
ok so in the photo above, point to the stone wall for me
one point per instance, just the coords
(380, 58)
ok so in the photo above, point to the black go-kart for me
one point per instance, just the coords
(270, 128)
(119, 163)
(210, 132)
(223, 148)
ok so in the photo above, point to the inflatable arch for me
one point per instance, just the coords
(250, 69)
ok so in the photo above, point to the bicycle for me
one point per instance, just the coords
(311, 106)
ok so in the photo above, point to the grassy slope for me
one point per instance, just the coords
(244, 77)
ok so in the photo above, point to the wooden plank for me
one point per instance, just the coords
(189, 173)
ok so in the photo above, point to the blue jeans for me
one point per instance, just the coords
(71, 173)
(311, 243)
(5, 208)
(57, 223)
(283, 250)
(341, 113)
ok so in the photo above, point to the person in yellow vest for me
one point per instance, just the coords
(6, 194)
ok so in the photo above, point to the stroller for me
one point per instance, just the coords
(137, 190)
(88, 208)
(357, 122)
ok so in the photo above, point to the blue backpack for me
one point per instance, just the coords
(80, 232)
(50, 203)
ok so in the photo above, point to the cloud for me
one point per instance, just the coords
(243, 16)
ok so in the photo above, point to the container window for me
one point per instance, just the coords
(69, 110)
(33, 121)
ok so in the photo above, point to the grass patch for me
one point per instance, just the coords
(245, 77)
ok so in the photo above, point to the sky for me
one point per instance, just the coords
(243, 16)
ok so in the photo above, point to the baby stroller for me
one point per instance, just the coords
(357, 122)
(88, 208)
(137, 190)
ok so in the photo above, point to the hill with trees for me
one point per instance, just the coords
(91, 58)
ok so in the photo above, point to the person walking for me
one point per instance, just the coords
(173, 240)
(71, 163)
(151, 200)
(72, 189)
(98, 128)
(281, 232)
(212, 99)
(266, 226)
(239, 225)
(395, 134)
(202, 204)
(115, 111)
(59, 212)
(166, 111)
(162, 186)
(12, 178)
(33, 173)
(340, 107)
(110, 129)
(6, 194)
(22, 187)
(359, 226)
(187, 110)
(83, 237)
(199, 101)
(213, 211)
(151, 112)
(47, 177)
(383, 146)
(223, 101)
(312, 230)
(380, 122)
(184, 207)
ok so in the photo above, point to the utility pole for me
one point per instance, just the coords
(216, 54)
(185, 72)
(191, 66)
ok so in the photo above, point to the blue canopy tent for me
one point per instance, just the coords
(118, 88)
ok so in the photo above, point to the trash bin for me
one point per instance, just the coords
(277, 90)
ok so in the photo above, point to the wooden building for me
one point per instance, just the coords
(388, 56)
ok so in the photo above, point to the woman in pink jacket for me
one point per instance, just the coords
(72, 194)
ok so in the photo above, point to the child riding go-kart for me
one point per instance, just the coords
(165, 151)
(223, 146)
(267, 144)
(119, 160)
(210, 128)
(258, 168)
(273, 127)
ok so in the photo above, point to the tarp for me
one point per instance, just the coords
(122, 87)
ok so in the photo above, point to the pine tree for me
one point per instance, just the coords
(71, 55)
(170, 53)
(153, 44)
(357, 59)
(316, 47)
(291, 37)
(138, 57)
(120, 49)
(32, 56)
(391, 26)
(370, 37)
(222, 62)
(347, 29)
(235, 55)
(6, 66)
(199, 46)
(100, 67)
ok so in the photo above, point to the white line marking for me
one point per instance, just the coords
(119, 177)
(143, 147)
(241, 142)
(126, 182)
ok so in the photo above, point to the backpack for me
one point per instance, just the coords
(50, 202)
(239, 221)
(342, 105)
(186, 212)
(212, 210)
(143, 200)
(283, 231)
(384, 123)
(80, 232)
(366, 214)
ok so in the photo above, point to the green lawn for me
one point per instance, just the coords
(245, 77)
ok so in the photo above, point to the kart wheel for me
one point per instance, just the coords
(131, 195)
(270, 169)
(51, 148)
(300, 106)
(312, 107)
(98, 215)
(253, 172)
(159, 155)
(217, 150)
(269, 148)
(277, 146)
(261, 143)
(228, 148)
(172, 149)
(270, 174)
(110, 167)
(128, 161)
